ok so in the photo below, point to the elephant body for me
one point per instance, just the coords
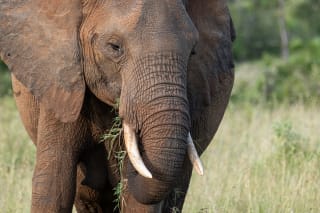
(168, 64)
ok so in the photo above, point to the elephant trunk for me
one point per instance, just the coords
(163, 150)
(154, 103)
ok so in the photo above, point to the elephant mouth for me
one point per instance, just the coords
(131, 143)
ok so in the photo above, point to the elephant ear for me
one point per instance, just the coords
(210, 70)
(39, 43)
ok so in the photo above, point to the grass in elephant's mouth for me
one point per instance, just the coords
(113, 135)
(115, 150)
(112, 139)
(120, 156)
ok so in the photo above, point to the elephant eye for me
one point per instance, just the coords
(114, 49)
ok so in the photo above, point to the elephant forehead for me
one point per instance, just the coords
(127, 13)
(149, 14)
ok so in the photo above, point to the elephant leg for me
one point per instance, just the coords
(54, 178)
(53, 184)
(89, 200)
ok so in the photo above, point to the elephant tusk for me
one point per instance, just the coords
(131, 143)
(193, 156)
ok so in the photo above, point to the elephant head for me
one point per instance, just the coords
(137, 51)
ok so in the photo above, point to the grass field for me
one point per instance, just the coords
(261, 160)
(16, 160)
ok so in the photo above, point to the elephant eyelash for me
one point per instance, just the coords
(114, 51)
(115, 47)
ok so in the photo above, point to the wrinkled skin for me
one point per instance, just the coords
(169, 63)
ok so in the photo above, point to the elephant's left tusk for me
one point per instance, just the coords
(193, 156)
(130, 140)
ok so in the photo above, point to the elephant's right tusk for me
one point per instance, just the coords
(131, 143)
(193, 156)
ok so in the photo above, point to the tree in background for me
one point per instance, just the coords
(283, 30)
(269, 26)
(254, 22)
(267, 31)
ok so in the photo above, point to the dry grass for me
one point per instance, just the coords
(261, 161)
(16, 160)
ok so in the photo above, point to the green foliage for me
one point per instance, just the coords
(245, 92)
(277, 81)
(114, 149)
(112, 135)
(297, 80)
(255, 29)
(258, 30)
(307, 13)
(5, 80)
(291, 148)
(3, 67)
(120, 156)
(258, 38)
(117, 192)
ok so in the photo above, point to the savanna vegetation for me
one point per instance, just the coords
(266, 154)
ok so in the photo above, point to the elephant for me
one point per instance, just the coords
(164, 68)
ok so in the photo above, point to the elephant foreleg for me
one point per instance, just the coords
(54, 179)
(53, 184)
